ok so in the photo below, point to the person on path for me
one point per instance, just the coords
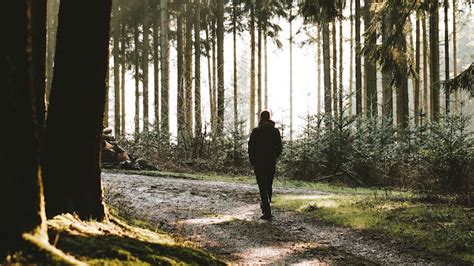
(264, 147)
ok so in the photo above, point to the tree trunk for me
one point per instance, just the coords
(434, 60)
(416, 102)
(327, 69)
(252, 67)
(334, 70)
(446, 52)
(220, 67)
(84, 63)
(214, 76)
(22, 79)
(425, 68)
(137, 80)
(211, 82)
(370, 68)
(234, 42)
(165, 51)
(265, 79)
(180, 98)
(318, 53)
(188, 64)
(123, 85)
(340, 69)
(358, 60)
(146, 44)
(351, 58)
(387, 95)
(52, 26)
(197, 69)
(455, 58)
(291, 74)
(156, 68)
(259, 55)
(116, 54)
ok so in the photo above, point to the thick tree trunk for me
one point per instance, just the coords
(220, 67)
(79, 81)
(434, 60)
(146, 44)
(188, 75)
(165, 51)
(156, 68)
(22, 79)
(387, 94)
(116, 54)
(370, 68)
(252, 67)
(197, 69)
(180, 97)
(327, 69)
(446, 52)
(358, 60)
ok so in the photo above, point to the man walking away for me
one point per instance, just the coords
(264, 148)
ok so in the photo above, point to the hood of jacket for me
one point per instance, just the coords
(266, 123)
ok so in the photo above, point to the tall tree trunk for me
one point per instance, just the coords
(265, 79)
(334, 70)
(252, 67)
(136, 34)
(211, 82)
(197, 69)
(214, 76)
(180, 97)
(340, 69)
(291, 73)
(259, 55)
(22, 86)
(188, 62)
(446, 51)
(123, 85)
(434, 60)
(425, 68)
(220, 67)
(327, 69)
(387, 94)
(370, 68)
(358, 60)
(234, 43)
(165, 51)
(416, 96)
(116, 54)
(146, 44)
(351, 58)
(156, 68)
(84, 63)
(318, 53)
(52, 26)
(455, 58)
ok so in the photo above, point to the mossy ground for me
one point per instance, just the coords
(109, 243)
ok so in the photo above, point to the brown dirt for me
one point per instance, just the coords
(223, 218)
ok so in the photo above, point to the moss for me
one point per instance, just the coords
(109, 243)
(442, 229)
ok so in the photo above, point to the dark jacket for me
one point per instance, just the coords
(264, 144)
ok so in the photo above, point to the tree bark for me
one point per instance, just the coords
(327, 69)
(387, 95)
(22, 82)
(416, 96)
(252, 67)
(341, 51)
(164, 50)
(146, 44)
(351, 59)
(446, 52)
(52, 26)
(188, 64)
(291, 74)
(79, 81)
(197, 69)
(318, 52)
(259, 55)
(425, 68)
(123, 61)
(211, 81)
(455, 58)
(234, 43)
(156, 68)
(358, 60)
(335, 97)
(180, 98)
(116, 54)
(434, 60)
(136, 34)
(370, 68)
(220, 67)
(265, 78)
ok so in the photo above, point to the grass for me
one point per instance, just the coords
(442, 229)
(109, 243)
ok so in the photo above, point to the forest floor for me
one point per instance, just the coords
(223, 218)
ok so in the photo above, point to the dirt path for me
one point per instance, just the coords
(223, 218)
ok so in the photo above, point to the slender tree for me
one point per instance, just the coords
(123, 61)
(197, 68)
(387, 92)
(116, 55)
(188, 66)
(434, 59)
(334, 70)
(181, 92)
(265, 78)
(446, 51)
(52, 26)
(416, 96)
(164, 51)
(146, 45)
(318, 53)
(341, 51)
(22, 78)
(252, 64)
(369, 67)
(260, 24)
(291, 70)
(455, 58)
(425, 67)
(327, 69)
(136, 34)
(156, 67)
(79, 81)
(234, 43)
(210, 68)
(220, 67)
(358, 60)
(351, 57)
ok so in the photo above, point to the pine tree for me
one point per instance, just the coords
(358, 60)
(116, 55)
(165, 51)
(156, 67)
(220, 67)
(197, 69)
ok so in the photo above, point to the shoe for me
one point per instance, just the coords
(266, 216)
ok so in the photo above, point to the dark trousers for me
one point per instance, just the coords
(265, 174)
